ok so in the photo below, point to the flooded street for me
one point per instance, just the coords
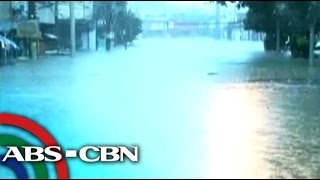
(196, 107)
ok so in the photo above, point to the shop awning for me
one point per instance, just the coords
(50, 36)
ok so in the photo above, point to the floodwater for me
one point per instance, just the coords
(196, 107)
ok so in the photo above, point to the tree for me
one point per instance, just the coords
(269, 17)
(129, 26)
(133, 27)
(103, 13)
(265, 17)
(296, 19)
(125, 25)
(306, 12)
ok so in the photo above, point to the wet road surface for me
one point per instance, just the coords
(197, 108)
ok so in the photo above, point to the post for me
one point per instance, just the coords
(31, 9)
(218, 26)
(5, 48)
(56, 11)
(31, 15)
(278, 36)
(311, 45)
(112, 25)
(56, 19)
(72, 30)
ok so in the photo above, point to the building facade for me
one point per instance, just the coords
(54, 19)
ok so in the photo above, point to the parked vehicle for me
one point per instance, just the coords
(8, 51)
(317, 49)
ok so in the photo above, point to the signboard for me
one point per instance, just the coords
(28, 29)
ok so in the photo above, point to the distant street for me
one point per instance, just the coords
(196, 107)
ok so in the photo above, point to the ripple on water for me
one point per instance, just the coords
(290, 125)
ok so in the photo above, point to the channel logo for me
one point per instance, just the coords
(19, 151)
(19, 144)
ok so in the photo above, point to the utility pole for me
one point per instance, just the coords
(56, 11)
(56, 19)
(277, 36)
(72, 29)
(31, 9)
(218, 26)
(113, 23)
(312, 42)
(31, 15)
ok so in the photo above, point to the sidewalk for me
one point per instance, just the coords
(54, 57)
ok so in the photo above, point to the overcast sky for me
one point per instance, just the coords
(145, 6)
(197, 5)
(200, 4)
(204, 8)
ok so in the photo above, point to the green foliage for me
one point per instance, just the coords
(269, 42)
(299, 45)
(293, 18)
(125, 24)
(128, 27)
(133, 27)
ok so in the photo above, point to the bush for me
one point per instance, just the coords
(270, 42)
(299, 46)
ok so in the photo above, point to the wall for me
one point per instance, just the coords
(46, 14)
(83, 9)
(92, 40)
(89, 40)
(5, 10)
(158, 26)
(84, 39)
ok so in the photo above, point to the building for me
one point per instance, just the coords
(231, 24)
(54, 21)
(5, 10)
(154, 24)
(6, 22)
(85, 24)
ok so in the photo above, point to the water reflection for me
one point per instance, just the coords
(234, 120)
(263, 130)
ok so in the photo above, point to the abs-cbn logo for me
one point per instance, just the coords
(19, 150)
(53, 154)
